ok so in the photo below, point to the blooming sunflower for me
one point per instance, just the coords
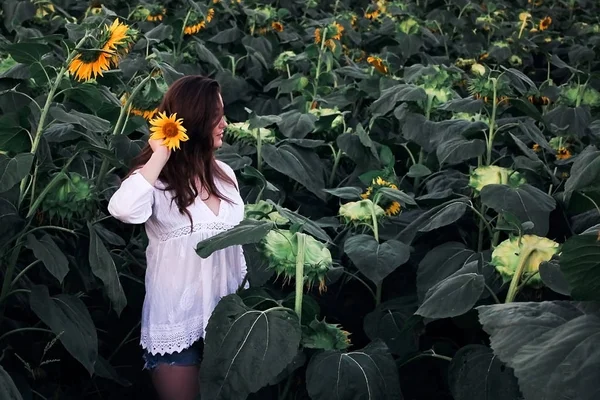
(378, 64)
(170, 129)
(390, 207)
(210, 15)
(545, 23)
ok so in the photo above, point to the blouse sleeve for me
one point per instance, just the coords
(132, 202)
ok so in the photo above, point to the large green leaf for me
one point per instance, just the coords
(12, 170)
(584, 172)
(104, 370)
(441, 262)
(294, 124)
(453, 296)
(27, 53)
(580, 264)
(437, 217)
(8, 390)
(46, 250)
(476, 373)
(397, 195)
(392, 95)
(88, 121)
(576, 119)
(103, 266)
(300, 164)
(526, 202)
(68, 317)
(368, 374)
(394, 322)
(227, 36)
(305, 223)
(554, 278)
(246, 232)
(348, 192)
(458, 149)
(553, 347)
(245, 349)
(376, 260)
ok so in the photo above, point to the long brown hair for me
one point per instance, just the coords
(195, 99)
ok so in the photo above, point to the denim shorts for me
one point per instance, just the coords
(186, 357)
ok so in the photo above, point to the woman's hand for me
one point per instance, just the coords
(151, 170)
(161, 152)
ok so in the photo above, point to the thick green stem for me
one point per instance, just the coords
(496, 237)
(318, 70)
(258, 150)
(336, 162)
(514, 283)
(378, 289)
(490, 143)
(421, 152)
(44, 114)
(300, 275)
(287, 66)
(481, 227)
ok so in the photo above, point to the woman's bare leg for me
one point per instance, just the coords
(175, 382)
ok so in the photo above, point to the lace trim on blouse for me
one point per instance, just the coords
(163, 339)
(202, 226)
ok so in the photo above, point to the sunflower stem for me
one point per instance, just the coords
(490, 142)
(300, 275)
(378, 285)
(44, 114)
(318, 70)
(421, 152)
(258, 150)
(514, 283)
(336, 162)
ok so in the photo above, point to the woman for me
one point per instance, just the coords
(183, 196)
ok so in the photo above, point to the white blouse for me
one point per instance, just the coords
(182, 289)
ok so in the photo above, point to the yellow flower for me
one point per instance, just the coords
(156, 15)
(117, 38)
(195, 28)
(393, 208)
(563, 154)
(372, 15)
(378, 64)
(545, 23)
(86, 64)
(536, 147)
(277, 26)
(318, 36)
(210, 15)
(339, 29)
(170, 129)
(524, 16)
(146, 114)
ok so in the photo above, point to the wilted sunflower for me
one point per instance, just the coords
(563, 154)
(156, 15)
(390, 207)
(210, 15)
(170, 129)
(98, 54)
(277, 26)
(378, 64)
(545, 23)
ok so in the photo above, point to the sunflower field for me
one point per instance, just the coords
(421, 185)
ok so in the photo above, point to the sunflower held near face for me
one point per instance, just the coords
(169, 129)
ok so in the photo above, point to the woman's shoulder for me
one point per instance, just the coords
(227, 169)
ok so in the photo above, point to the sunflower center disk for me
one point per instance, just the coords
(170, 130)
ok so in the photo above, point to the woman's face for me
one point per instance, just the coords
(218, 130)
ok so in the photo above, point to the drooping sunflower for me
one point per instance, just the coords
(277, 26)
(563, 154)
(99, 53)
(391, 207)
(157, 15)
(545, 23)
(195, 28)
(210, 14)
(378, 64)
(169, 129)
